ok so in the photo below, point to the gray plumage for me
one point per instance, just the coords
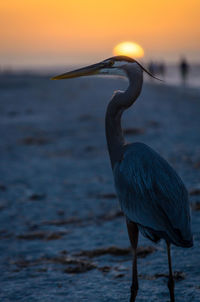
(152, 195)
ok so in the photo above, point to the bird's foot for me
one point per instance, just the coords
(171, 289)
(133, 294)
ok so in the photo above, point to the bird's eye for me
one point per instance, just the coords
(111, 63)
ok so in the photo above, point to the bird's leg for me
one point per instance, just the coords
(133, 237)
(171, 280)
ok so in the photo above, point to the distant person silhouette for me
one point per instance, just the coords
(152, 68)
(161, 69)
(157, 68)
(184, 70)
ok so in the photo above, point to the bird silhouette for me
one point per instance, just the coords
(151, 194)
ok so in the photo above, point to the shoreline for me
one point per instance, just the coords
(57, 200)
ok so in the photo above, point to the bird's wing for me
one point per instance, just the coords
(151, 193)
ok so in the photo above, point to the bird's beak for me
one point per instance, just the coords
(85, 71)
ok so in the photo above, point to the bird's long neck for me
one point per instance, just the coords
(120, 102)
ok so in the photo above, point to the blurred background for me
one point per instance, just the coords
(44, 34)
(62, 234)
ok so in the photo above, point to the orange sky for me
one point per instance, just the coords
(53, 32)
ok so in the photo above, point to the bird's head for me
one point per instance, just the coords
(118, 65)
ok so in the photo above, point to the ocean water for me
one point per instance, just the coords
(173, 77)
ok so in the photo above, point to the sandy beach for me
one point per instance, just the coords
(62, 235)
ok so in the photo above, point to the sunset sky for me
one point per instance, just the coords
(50, 32)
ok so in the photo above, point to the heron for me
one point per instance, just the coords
(152, 196)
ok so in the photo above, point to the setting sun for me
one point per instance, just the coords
(129, 49)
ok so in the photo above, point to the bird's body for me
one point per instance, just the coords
(151, 194)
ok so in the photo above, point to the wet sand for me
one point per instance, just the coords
(62, 234)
